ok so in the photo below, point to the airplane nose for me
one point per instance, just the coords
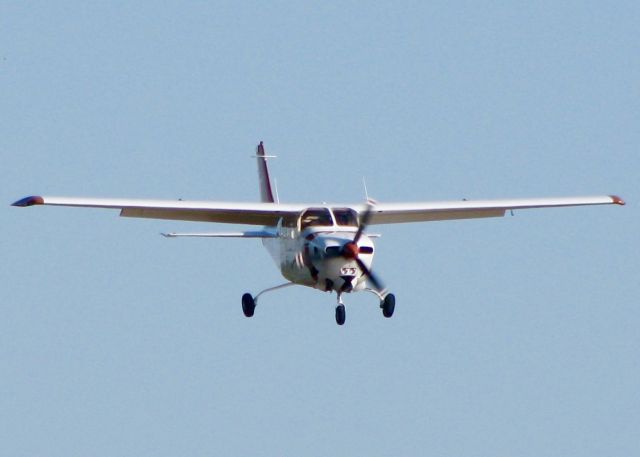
(350, 250)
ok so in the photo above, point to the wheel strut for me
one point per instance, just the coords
(249, 302)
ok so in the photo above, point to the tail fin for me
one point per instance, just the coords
(266, 193)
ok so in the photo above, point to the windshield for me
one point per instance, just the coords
(345, 217)
(314, 217)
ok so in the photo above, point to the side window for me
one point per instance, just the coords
(345, 217)
(315, 217)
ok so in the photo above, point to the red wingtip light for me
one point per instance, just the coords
(29, 201)
(617, 200)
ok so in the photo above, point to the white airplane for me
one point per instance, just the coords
(315, 245)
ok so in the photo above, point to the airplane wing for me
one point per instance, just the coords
(181, 210)
(393, 213)
(269, 213)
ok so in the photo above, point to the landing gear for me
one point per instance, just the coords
(387, 302)
(248, 305)
(388, 305)
(340, 314)
(249, 302)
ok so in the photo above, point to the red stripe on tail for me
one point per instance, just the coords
(266, 194)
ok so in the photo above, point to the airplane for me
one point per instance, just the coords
(317, 245)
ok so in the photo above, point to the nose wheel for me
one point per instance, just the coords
(341, 314)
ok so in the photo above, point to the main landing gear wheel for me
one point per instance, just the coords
(248, 305)
(340, 314)
(388, 305)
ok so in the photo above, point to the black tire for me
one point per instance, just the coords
(341, 314)
(248, 305)
(388, 305)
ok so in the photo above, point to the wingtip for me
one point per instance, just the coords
(617, 200)
(29, 201)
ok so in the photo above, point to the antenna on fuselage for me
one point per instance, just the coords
(369, 200)
(366, 193)
(275, 190)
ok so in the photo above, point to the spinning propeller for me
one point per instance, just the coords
(351, 250)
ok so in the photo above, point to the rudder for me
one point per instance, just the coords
(264, 181)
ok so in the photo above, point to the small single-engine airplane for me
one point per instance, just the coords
(315, 245)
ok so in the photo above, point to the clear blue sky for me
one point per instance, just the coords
(515, 336)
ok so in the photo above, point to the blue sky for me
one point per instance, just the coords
(514, 336)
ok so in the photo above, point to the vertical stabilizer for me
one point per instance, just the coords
(266, 192)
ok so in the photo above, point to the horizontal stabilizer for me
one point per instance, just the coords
(252, 234)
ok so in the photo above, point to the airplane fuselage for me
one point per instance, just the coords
(313, 256)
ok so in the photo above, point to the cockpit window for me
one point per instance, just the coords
(345, 217)
(315, 217)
